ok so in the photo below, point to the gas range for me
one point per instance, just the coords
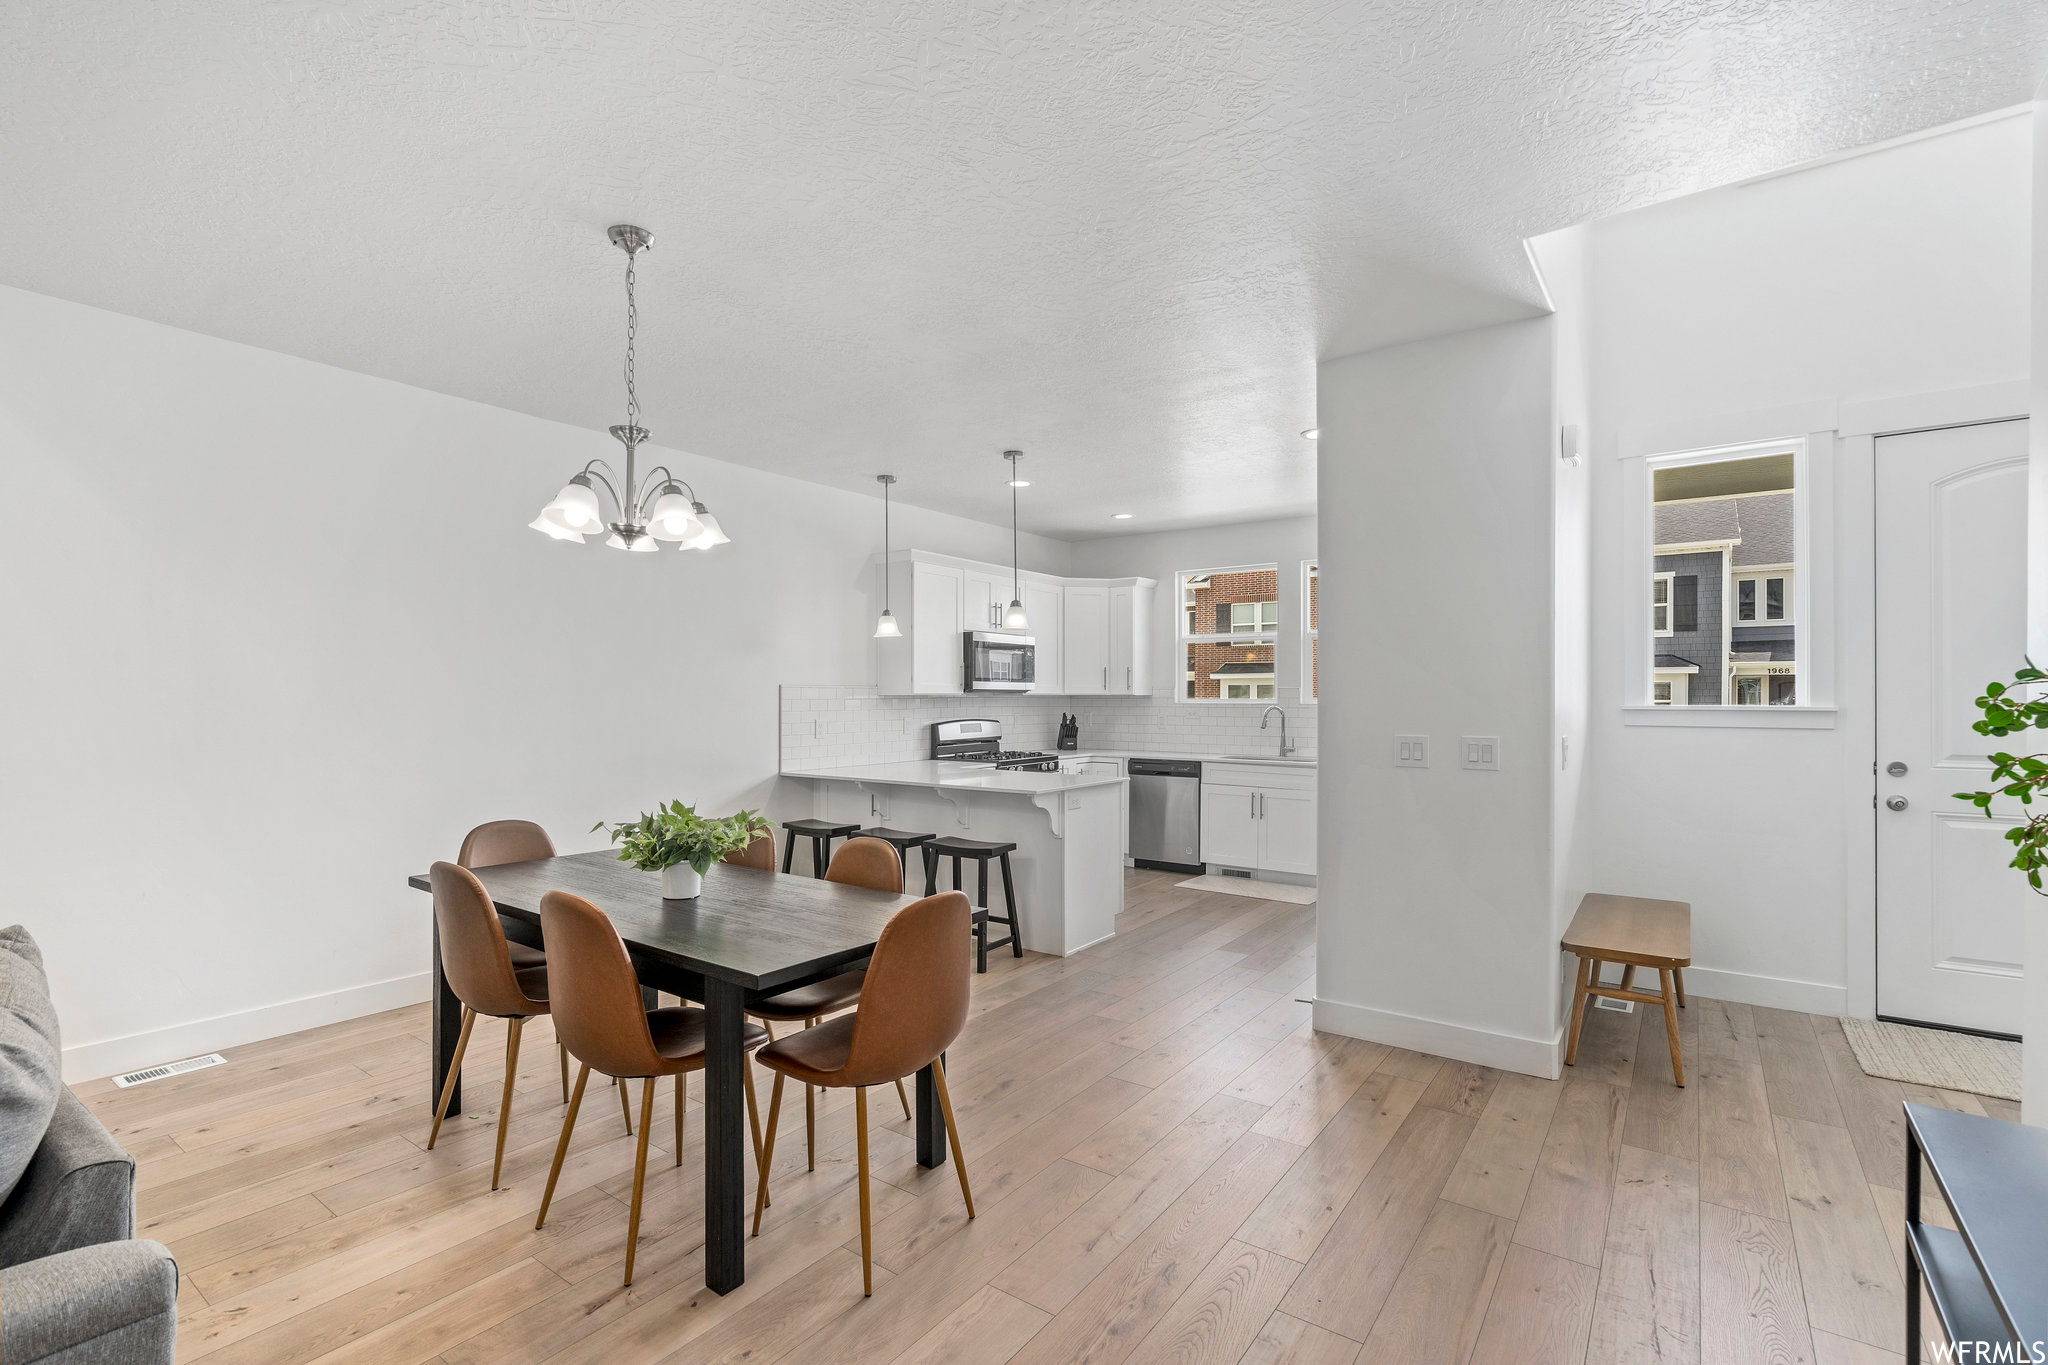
(981, 741)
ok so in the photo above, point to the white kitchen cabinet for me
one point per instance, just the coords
(1262, 819)
(1090, 635)
(1130, 631)
(1230, 825)
(1043, 601)
(1084, 663)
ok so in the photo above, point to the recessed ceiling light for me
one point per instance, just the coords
(1120, 516)
(1020, 483)
(1313, 433)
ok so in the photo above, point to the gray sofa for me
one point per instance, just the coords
(75, 1285)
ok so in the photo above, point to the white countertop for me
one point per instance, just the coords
(960, 777)
(1268, 760)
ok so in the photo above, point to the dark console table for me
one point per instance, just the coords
(1989, 1281)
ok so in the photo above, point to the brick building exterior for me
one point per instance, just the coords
(1246, 605)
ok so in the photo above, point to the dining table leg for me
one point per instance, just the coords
(931, 1120)
(447, 1028)
(725, 1140)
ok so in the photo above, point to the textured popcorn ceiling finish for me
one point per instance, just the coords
(905, 236)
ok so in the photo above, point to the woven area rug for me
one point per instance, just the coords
(1257, 890)
(1932, 1056)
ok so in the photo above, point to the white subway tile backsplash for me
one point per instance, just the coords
(829, 727)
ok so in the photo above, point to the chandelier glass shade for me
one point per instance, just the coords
(660, 509)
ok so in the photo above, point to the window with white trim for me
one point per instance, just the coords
(1724, 533)
(1230, 629)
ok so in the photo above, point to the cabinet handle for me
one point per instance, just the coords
(1127, 680)
(1105, 677)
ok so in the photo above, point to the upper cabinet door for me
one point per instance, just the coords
(987, 595)
(1084, 639)
(1122, 641)
(1042, 604)
(937, 594)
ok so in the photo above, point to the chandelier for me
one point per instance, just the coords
(662, 507)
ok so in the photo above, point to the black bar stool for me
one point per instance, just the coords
(821, 833)
(947, 846)
(903, 840)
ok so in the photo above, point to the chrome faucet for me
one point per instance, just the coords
(1286, 747)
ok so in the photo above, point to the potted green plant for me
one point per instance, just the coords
(2009, 708)
(682, 845)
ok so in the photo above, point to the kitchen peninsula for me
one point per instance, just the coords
(1068, 829)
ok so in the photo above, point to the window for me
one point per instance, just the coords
(1311, 639)
(1722, 577)
(1230, 627)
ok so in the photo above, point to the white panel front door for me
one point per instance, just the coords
(1951, 617)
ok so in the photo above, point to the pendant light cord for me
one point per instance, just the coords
(1016, 578)
(885, 549)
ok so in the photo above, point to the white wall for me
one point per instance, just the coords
(1436, 488)
(1162, 554)
(278, 635)
(1772, 308)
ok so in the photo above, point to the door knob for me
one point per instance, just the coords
(1896, 769)
(1895, 803)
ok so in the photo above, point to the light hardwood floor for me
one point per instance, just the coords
(1169, 1165)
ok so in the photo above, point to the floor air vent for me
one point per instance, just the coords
(1601, 1002)
(157, 1073)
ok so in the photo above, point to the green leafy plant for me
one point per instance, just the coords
(675, 833)
(2009, 709)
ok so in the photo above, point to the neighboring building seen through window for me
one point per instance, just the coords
(1721, 600)
(1312, 644)
(1230, 624)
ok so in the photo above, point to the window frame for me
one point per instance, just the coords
(1628, 597)
(1184, 637)
(1669, 578)
(1758, 575)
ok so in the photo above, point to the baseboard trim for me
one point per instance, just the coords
(1774, 992)
(1460, 1042)
(112, 1056)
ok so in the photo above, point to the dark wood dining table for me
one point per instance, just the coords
(750, 934)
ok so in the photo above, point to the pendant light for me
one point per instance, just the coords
(1013, 618)
(886, 628)
(664, 508)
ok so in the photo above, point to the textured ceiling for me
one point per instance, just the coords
(904, 236)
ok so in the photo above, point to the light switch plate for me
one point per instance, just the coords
(1481, 753)
(1411, 751)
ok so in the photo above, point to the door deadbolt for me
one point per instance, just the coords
(1895, 768)
(1895, 803)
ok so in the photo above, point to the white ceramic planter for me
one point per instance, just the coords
(681, 883)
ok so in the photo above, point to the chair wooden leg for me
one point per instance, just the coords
(562, 1147)
(1628, 976)
(1678, 977)
(753, 1104)
(903, 1099)
(867, 1234)
(952, 1133)
(1671, 1025)
(562, 1050)
(625, 1105)
(639, 1174)
(505, 1101)
(767, 1152)
(682, 1099)
(811, 1116)
(454, 1074)
(1579, 998)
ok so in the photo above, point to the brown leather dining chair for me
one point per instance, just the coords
(912, 1007)
(857, 862)
(599, 1012)
(478, 963)
(759, 855)
(495, 843)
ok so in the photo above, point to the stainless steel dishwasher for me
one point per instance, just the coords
(1166, 813)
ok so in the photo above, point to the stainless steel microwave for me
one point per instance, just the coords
(995, 662)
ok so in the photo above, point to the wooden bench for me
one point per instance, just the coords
(1632, 932)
